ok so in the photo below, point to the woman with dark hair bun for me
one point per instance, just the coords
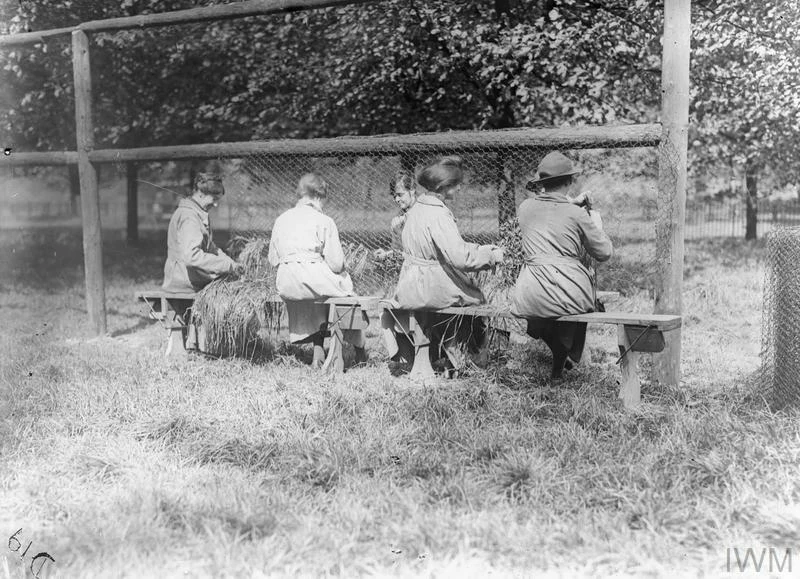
(436, 267)
(442, 177)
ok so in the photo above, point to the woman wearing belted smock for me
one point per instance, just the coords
(306, 249)
(436, 261)
(193, 261)
(555, 229)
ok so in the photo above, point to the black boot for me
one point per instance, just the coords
(559, 360)
(361, 356)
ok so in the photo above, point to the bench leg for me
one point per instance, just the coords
(334, 362)
(422, 362)
(176, 348)
(630, 387)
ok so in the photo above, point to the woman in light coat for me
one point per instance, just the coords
(437, 264)
(306, 249)
(193, 261)
(556, 229)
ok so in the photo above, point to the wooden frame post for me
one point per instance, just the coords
(90, 196)
(672, 180)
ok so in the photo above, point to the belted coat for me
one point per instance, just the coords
(437, 261)
(306, 249)
(553, 282)
(193, 261)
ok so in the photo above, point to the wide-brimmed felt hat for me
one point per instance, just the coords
(553, 166)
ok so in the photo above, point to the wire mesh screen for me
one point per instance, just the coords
(622, 179)
(780, 340)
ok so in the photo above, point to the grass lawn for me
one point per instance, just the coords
(118, 463)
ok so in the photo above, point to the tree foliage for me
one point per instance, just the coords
(394, 66)
(746, 85)
(406, 66)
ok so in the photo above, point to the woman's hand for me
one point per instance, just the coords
(582, 200)
(596, 219)
(498, 255)
(398, 222)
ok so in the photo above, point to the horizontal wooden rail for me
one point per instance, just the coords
(35, 37)
(219, 12)
(455, 141)
(203, 14)
(45, 158)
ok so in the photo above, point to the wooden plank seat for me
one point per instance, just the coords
(345, 313)
(636, 333)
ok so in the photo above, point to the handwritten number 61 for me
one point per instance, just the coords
(41, 555)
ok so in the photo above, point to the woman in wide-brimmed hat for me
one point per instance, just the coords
(556, 229)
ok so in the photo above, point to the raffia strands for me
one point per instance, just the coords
(254, 256)
(238, 315)
(356, 258)
(497, 284)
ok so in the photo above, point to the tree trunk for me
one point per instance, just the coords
(131, 175)
(502, 7)
(74, 188)
(751, 204)
(504, 118)
(506, 199)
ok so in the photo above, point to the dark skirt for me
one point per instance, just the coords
(452, 338)
(467, 333)
(561, 337)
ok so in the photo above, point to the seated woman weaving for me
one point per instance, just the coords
(193, 261)
(435, 266)
(553, 282)
(306, 249)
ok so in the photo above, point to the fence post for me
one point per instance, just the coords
(90, 195)
(672, 180)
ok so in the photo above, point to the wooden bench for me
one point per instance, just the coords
(345, 313)
(635, 333)
(171, 309)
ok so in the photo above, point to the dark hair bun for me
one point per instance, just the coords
(441, 175)
(452, 161)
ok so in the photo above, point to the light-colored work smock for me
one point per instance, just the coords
(193, 261)
(437, 260)
(306, 249)
(435, 275)
(553, 282)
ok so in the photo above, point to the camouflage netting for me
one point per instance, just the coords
(780, 337)
(622, 178)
